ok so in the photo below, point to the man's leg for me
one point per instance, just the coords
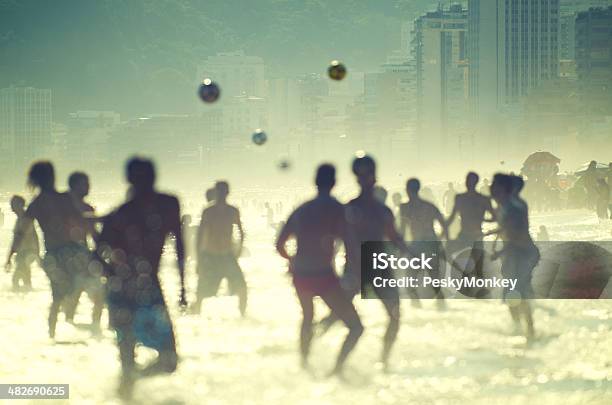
(126, 343)
(167, 359)
(27, 274)
(53, 311)
(236, 283)
(526, 311)
(392, 306)
(96, 294)
(342, 306)
(71, 303)
(306, 326)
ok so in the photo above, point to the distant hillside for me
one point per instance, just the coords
(137, 56)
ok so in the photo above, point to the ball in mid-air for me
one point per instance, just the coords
(209, 91)
(284, 164)
(259, 137)
(336, 70)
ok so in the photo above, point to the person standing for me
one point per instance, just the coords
(27, 252)
(217, 258)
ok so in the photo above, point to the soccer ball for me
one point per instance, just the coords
(208, 91)
(336, 70)
(259, 137)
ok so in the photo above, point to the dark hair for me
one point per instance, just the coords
(364, 165)
(42, 175)
(413, 185)
(472, 177)
(517, 184)
(504, 181)
(326, 176)
(17, 199)
(140, 172)
(75, 178)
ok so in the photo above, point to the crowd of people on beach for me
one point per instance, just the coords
(115, 258)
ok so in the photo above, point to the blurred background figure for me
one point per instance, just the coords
(28, 251)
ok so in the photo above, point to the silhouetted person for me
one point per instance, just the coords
(472, 208)
(419, 216)
(217, 258)
(316, 225)
(131, 243)
(543, 234)
(370, 220)
(448, 198)
(28, 251)
(78, 183)
(63, 229)
(519, 254)
(588, 181)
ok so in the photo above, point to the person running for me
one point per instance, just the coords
(63, 229)
(316, 225)
(370, 220)
(419, 216)
(217, 258)
(78, 183)
(130, 245)
(27, 252)
(519, 253)
(472, 208)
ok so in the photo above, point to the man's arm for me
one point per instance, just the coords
(238, 223)
(283, 237)
(392, 234)
(491, 211)
(453, 214)
(438, 217)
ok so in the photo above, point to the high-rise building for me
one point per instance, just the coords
(513, 48)
(236, 73)
(569, 10)
(25, 126)
(441, 78)
(594, 59)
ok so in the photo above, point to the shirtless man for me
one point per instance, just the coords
(78, 183)
(471, 207)
(519, 254)
(419, 216)
(217, 258)
(316, 225)
(63, 229)
(370, 220)
(131, 244)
